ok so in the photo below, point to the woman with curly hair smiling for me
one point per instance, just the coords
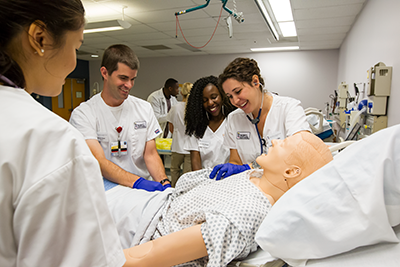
(206, 110)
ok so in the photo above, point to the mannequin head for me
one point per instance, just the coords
(291, 160)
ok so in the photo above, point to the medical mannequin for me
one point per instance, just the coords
(288, 162)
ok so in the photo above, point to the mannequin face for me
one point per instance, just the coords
(118, 85)
(212, 100)
(243, 95)
(274, 163)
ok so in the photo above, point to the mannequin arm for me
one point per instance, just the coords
(195, 160)
(176, 248)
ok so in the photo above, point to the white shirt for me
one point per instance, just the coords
(211, 148)
(52, 201)
(95, 120)
(159, 104)
(176, 116)
(285, 118)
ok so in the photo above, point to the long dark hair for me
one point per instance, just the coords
(196, 119)
(56, 16)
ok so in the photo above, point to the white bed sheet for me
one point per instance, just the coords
(384, 254)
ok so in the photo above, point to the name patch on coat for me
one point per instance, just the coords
(243, 135)
(140, 125)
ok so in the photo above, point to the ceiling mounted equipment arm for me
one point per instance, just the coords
(238, 16)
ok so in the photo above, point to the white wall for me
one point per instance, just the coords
(309, 76)
(374, 38)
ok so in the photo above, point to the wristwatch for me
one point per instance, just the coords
(164, 181)
(255, 165)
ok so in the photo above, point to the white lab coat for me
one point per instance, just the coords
(176, 116)
(52, 201)
(285, 118)
(211, 148)
(160, 108)
(94, 120)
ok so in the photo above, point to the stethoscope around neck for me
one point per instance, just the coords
(257, 120)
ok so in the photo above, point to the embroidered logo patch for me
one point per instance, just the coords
(243, 135)
(140, 125)
(157, 131)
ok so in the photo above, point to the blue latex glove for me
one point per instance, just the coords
(147, 185)
(227, 169)
(166, 186)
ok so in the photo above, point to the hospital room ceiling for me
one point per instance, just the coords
(320, 24)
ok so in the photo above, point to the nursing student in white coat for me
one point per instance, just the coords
(53, 210)
(261, 117)
(176, 124)
(205, 121)
(162, 101)
(119, 128)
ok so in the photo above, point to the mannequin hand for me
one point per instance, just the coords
(150, 186)
(227, 169)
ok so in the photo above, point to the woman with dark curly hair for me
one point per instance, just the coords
(260, 117)
(206, 110)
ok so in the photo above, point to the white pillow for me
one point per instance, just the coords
(353, 201)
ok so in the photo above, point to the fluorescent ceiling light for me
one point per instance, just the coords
(267, 19)
(288, 29)
(109, 25)
(274, 48)
(282, 10)
(94, 55)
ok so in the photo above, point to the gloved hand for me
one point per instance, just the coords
(147, 185)
(227, 169)
(166, 186)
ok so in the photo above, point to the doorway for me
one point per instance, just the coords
(72, 94)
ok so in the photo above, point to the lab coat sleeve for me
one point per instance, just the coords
(157, 105)
(154, 128)
(75, 227)
(295, 120)
(83, 120)
(171, 115)
(191, 143)
(229, 138)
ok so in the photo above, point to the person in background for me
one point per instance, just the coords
(52, 200)
(162, 101)
(176, 123)
(206, 111)
(260, 117)
(119, 128)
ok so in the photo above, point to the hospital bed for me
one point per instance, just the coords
(346, 214)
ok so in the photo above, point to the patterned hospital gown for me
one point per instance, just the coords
(230, 211)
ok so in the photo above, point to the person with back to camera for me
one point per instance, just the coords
(205, 222)
(205, 122)
(261, 116)
(52, 200)
(119, 128)
(176, 124)
(162, 101)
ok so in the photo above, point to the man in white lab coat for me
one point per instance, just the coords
(119, 128)
(161, 101)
